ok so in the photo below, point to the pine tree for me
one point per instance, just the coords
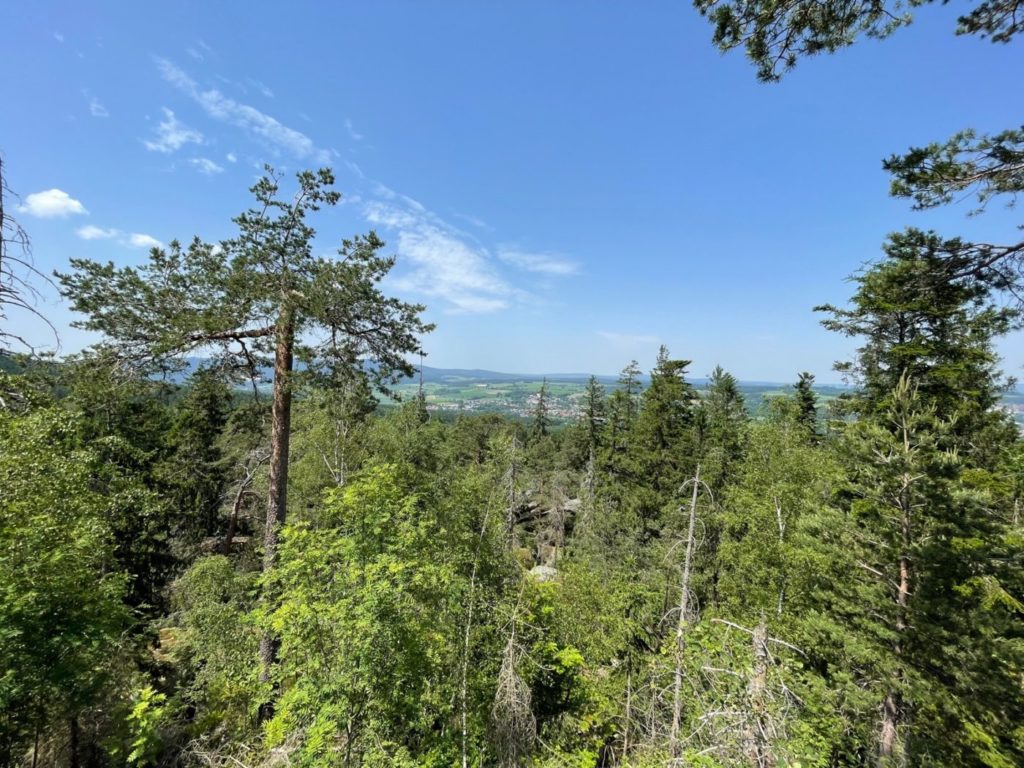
(260, 293)
(776, 36)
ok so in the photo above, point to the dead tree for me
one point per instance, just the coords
(511, 496)
(18, 273)
(760, 729)
(250, 469)
(467, 632)
(683, 620)
(513, 726)
(748, 729)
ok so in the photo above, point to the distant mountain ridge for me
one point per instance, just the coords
(431, 374)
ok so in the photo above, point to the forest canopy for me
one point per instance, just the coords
(225, 542)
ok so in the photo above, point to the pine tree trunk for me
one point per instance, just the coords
(281, 416)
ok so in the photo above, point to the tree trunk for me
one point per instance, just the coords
(511, 510)
(682, 625)
(629, 710)
(73, 758)
(889, 745)
(277, 506)
(758, 744)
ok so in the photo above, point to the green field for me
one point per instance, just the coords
(517, 396)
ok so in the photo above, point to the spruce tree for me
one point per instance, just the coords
(661, 453)
(622, 410)
(540, 423)
(806, 402)
(930, 539)
(721, 421)
(593, 415)
(918, 324)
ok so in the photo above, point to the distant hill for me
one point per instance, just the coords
(451, 375)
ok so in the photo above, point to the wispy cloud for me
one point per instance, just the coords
(259, 125)
(445, 264)
(352, 132)
(96, 109)
(476, 222)
(90, 232)
(58, 37)
(51, 204)
(543, 263)
(172, 134)
(206, 166)
(231, 157)
(259, 86)
(354, 167)
(194, 54)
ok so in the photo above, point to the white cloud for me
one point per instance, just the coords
(352, 132)
(539, 262)
(206, 166)
(194, 54)
(444, 264)
(58, 37)
(231, 157)
(260, 125)
(96, 109)
(144, 241)
(172, 134)
(90, 232)
(134, 239)
(51, 204)
(629, 339)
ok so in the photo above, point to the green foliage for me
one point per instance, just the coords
(61, 610)
(721, 422)
(916, 322)
(777, 35)
(219, 299)
(854, 597)
(360, 601)
(147, 714)
(213, 644)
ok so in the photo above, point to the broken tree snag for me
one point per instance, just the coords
(682, 625)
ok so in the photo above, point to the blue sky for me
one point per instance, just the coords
(566, 184)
